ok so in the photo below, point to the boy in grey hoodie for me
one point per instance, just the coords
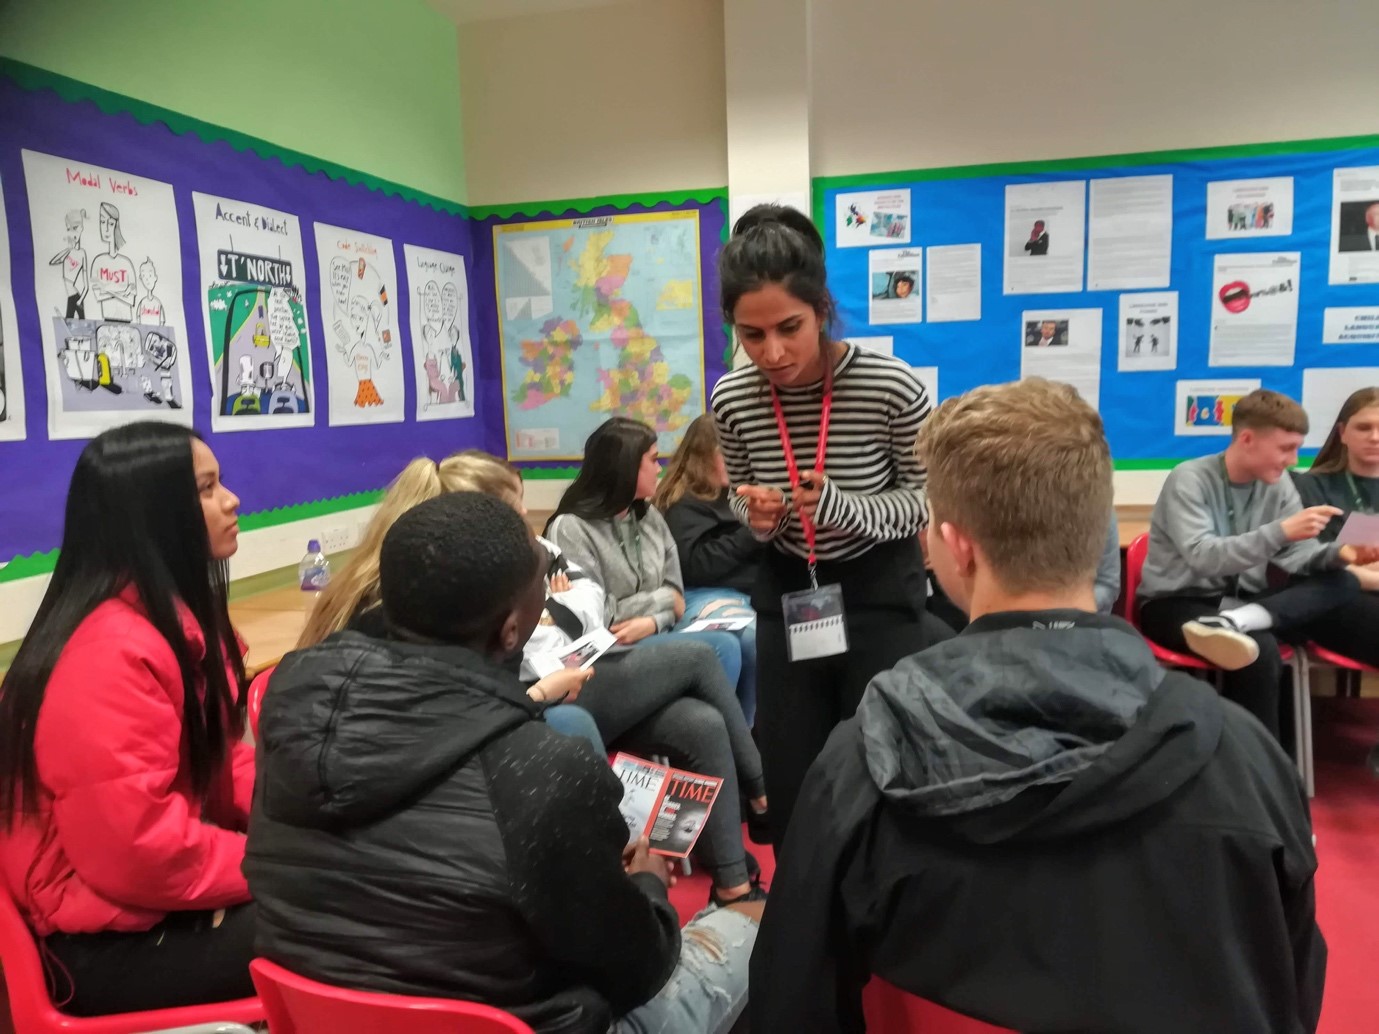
(1220, 523)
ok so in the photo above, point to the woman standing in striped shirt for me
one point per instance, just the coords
(818, 437)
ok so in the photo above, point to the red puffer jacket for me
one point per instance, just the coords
(119, 840)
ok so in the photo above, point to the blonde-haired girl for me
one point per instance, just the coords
(352, 597)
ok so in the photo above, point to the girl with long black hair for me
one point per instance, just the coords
(124, 782)
(818, 437)
(606, 524)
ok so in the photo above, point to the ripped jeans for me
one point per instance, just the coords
(703, 604)
(707, 993)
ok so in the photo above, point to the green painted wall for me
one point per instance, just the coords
(370, 84)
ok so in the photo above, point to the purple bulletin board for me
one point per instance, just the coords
(280, 475)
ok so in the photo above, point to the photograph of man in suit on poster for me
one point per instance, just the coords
(1038, 243)
(1359, 226)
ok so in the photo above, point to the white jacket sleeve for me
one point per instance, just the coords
(584, 597)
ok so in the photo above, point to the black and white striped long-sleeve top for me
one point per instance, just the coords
(875, 484)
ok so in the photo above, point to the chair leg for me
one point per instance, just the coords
(1302, 720)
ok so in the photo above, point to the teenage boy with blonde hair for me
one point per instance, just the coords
(1220, 523)
(1033, 823)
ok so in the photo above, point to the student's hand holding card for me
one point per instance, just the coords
(637, 857)
(1363, 556)
(561, 687)
(633, 630)
(1368, 577)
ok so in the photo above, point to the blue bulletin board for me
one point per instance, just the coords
(1141, 409)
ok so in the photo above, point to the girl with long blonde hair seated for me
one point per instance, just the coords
(351, 599)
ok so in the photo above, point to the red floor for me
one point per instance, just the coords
(1346, 817)
(1345, 814)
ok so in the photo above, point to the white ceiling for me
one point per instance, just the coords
(463, 11)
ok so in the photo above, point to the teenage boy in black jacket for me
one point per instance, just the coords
(1033, 823)
(417, 830)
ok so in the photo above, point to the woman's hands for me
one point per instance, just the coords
(766, 505)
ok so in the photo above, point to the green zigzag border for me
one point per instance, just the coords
(584, 205)
(33, 564)
(29, 77)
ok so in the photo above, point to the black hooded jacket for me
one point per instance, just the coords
(1035, 825)
(716, 549)
(416, 830)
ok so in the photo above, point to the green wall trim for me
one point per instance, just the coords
(549, 473)
(584, 205)
(1303, 464)
(34, 564)
(28, 565)
(72, 90)
(1145, 464)
(1192, 154)
(306, 511)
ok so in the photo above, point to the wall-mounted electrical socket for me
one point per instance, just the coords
(339, 537)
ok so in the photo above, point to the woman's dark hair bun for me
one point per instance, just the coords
(782, 215)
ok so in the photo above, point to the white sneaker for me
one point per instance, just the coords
(1216, 639)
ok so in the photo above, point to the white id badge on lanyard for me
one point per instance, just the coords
(814, 623)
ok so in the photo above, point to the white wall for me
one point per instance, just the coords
(610, 100)
(932, 83)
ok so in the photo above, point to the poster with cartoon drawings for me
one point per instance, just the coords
(11, 380)
(442, 360)
(108, 282)
(253, 293)
(359, 313)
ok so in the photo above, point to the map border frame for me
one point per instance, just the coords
(580, 222)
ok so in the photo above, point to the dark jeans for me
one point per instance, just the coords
(670, 695)
(181, 961)
(1328, 608)
(799, 703)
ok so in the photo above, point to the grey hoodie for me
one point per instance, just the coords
(636, 583)
(1194, 551)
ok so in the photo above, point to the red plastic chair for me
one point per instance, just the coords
(32, 1010)
(1134, 565)
(1351, 669)
(254, 701)
(1302, 698)
(1348, 675)
(296, 1005)
(893, 1011)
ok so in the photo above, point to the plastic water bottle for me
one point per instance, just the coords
(314, 571)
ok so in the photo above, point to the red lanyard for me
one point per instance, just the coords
(792, 468)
